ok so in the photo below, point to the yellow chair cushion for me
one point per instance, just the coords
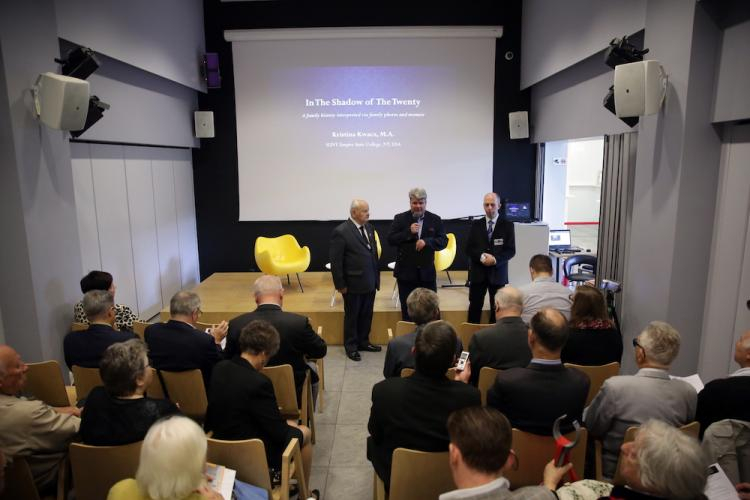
(281, 255)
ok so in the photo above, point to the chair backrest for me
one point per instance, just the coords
(155, 389)
(404, 327)
(97, 468)
(577, 260)
(597, 376)
(444, 258)
(466, 331)
(139, 328)
(377, 243)
(19, 482)
(247, 457)
(78, 327)
(487, 376)
(534, 452)
(282, 378)
(419, 475)
(187, 391)
(45, 381)
(408, 372)
(691, 429)
(86, 379)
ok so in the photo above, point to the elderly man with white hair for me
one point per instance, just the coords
(630, 400)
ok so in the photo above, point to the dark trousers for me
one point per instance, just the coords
(476, 301)
(357, 319)
(406, 287)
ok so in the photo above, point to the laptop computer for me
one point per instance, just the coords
(559, 240)
(518, 211)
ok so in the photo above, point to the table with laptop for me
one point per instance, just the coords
(560, 248)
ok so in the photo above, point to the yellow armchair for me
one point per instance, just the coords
(282, 255)
(444, 258)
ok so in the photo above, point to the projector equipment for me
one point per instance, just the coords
(609, 103)
(204, 124)
(96, 109)
(621, 51)
(61, 102)
(640, 88)
(518, 122)
(79, 63)
(211, 70)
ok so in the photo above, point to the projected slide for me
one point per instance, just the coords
(315, 131)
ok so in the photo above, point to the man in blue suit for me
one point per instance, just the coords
(417, 234)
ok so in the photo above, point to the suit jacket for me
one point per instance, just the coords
(533, 397)
(592, 346)
(502, 246)
(242, 405)
(630, 400)
(353, 265)
(502, 346)
(298, 340)
(724, 398)
(176, 346)
(410, 264)
(398, 354)
(85, 348)
(412, 413)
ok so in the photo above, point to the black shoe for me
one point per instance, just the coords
(371, 348)
(354, 356)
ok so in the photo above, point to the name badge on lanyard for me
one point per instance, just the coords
(498, 242)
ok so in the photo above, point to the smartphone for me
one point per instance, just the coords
(462, 360)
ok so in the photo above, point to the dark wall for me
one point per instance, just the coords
(224, 243)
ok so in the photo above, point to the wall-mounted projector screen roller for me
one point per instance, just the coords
(322, 121)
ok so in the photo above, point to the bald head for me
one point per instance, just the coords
(549, 331)
(13, 372)
(360, 211)
(508, 302)
(268, 290)
(491, 204)
(742, 350)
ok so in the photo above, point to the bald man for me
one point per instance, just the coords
(490, 245)
(354, 266)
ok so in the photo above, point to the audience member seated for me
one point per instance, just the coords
(298, 340)
(119, 413)
(629, 400)
(534, 396)
(423, 306)
(543, 291)
(728, 397)
(85, 348)
(479, 451)
(101, 280)
(177, 346)
(594, 339)
(242, 404)
(661, 463)
(412, 412)
(506, 344)
(173, 458)
(29, 428)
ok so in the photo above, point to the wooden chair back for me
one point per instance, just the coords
(466, 331)
(691, 429)
(155, 389)
(45, 381)
(419, 475)
(139, 328)
(19, 482)
(408, 372)
(487, 376)
(597, 376)
(78, 327)
(97, 468)
(186, 390)
(282, 378)
(86, 379)
(533, 452)
(402, 328)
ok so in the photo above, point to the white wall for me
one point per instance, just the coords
(555, 180)
(584, 179)
(136, 220)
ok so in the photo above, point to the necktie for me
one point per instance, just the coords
(489, 230)
(364, 236)
(420, 221)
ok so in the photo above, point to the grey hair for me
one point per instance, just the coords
(173, 455)
(266, 285)
(356, 203)
(184, 303)
(672, 464)
(509, 297)
(97, 302)
(417, 194)
(423, 305)
(122, 364)
(661, 342)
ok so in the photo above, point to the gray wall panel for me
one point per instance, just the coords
(732, 100)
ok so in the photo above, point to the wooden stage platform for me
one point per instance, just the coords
(226, 295)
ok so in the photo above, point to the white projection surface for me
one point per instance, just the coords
(320, 122)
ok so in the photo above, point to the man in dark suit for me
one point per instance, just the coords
(85, 348)
(727, 397)
(533, 397)
(412, 412)
(178, 346)
(298, 339)
(504, 345)
(491, 244)
(354, 266)
(417, 234)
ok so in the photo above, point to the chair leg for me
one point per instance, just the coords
(449, 277)
(333, 298)
(288, 281)
(300, 283)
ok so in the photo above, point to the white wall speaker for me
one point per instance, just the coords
(518, 123)
(204, 124)
(640, 88)
(61, 102)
